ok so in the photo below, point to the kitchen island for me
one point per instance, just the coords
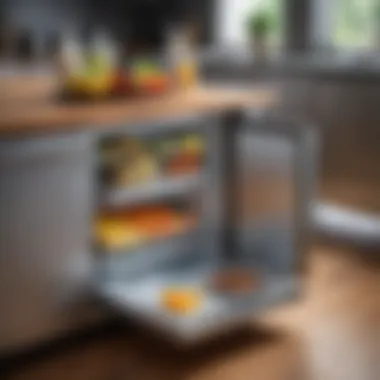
(48, 176)
(30, 105)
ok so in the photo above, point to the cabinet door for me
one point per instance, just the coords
(45, 264)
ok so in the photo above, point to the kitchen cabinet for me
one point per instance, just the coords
(46, 202)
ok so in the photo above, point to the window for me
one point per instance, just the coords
(232, 16)
(354, 23)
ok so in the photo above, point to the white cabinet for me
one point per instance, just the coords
(45, 258)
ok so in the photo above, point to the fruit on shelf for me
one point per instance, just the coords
(131, 162)
(158, 221)
(183, 163)
(181, 301)
(114, 234)
(131, 228)
(143, 169)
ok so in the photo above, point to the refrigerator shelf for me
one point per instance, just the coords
(161, 188)
(141, 299)
(152, 255)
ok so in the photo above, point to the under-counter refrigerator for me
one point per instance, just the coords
(212, 228)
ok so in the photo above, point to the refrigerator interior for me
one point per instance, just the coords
(267, 177)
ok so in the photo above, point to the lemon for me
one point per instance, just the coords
(97, 86)
(114, 235)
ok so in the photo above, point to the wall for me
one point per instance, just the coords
(41, 17)
(343, 105)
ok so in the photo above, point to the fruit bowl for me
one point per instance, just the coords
(141, 79)
(155, 85)
(96, 87)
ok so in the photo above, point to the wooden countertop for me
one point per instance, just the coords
(28, 105)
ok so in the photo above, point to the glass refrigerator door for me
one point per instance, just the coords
(267, 194)
(273, 169)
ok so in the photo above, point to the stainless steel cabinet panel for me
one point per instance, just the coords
(275, 179)
(45, 261)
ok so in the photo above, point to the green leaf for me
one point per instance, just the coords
(260, 23)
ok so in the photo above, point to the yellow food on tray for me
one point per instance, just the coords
(181, 301)
(114, 234)
(157, 221)
(130, 228)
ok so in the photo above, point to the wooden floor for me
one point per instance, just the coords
(332, 333)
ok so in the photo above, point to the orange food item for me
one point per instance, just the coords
(113, 234)
(156, 84)
(152, 84)
(157, 221)
(184, 164)
(116, 230)
(181, 300)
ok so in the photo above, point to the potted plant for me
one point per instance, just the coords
(259, 26)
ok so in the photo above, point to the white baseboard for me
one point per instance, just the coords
(347, 224)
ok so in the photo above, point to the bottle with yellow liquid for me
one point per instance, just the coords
(187, 73)
(182, 60)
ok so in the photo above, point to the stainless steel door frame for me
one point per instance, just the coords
(306, 141)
